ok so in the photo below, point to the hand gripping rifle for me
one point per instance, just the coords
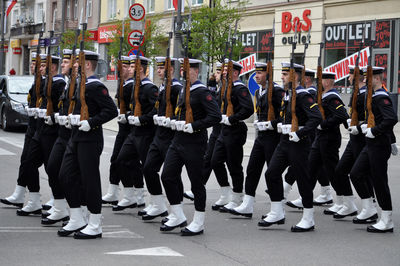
(168, 76)
(122, 105)
(49, 107)
(319, 80)
(292, 84)
(371, 117)
(82, 71)
(186, 69)
(270, 71)
(72, 71)
(229, 107)
(38, 75)
(223, 80)
(356, 88)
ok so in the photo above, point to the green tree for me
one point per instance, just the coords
(210, 30)
(68, 40)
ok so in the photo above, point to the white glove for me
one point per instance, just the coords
(223, 119)
(155, 120)
(35, 113)
(172, 124)
(121, 119)
(48, 120)
(269, 126)
(130, 119)
(136, 121)
(56, 115)
(364, 128)
(180, 125)
(68, 122)
(160, 120)
(255, 124)
(279, 127)
(166, 122)
(369, 134)
(84, 125)
(348, 122)
(319, 127)
(226, 121)
(353, 130)
(395, 151)
(188, 128)
(293, 137)
(262, 126)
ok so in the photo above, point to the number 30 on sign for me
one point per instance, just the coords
(136, 12)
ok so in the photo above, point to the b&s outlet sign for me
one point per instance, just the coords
(289, 23)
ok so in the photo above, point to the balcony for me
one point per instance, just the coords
(25, 29)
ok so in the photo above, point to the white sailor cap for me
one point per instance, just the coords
(310, 72)
(192, 62)
(260, 66)
(328, 75)
(236, 65)
(67, 54)
(160, 60)
(143, 60)
(375, 70)
(218, 66)
(43, 57)
(33, 56)
(125, 60)
(89, 55)
(286, 67)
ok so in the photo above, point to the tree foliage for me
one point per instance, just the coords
(68, 40)
(210, 30)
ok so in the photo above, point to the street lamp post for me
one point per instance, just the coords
(2, 53)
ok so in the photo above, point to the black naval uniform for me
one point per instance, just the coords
(292, 153)
(266, 141)
(57, 153)
(375, 154)
(162, 140)
(188, 149)
(45, 135)
(325, 148)
(229, 145)
(134, 150)
(123, 132)
(80, 165)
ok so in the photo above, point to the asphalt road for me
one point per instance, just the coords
(227, 240)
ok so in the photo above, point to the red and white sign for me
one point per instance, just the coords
(248, 64)
(136, 12)
(106, 33)
(134, 38)
(17, 50)
(289, 25)
(341, 68)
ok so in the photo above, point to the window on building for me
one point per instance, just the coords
(90, 7)
(169, 5)
(112, 9)
(40, 13)
(75, 9)
(15, 17)
(150, 6)
(68, 14)
(197, 2)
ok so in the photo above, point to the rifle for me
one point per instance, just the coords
(223, 80)
(270, 71)
(49, 74)
(168, 76)
(138, 107)
(303, 72)
(72, 71)
(122, 105)
(319, 80)
(186, 68)
(229, 108)
(82, 72)
(356, 88)
(38, 75)
(292, 84)
(371, 117)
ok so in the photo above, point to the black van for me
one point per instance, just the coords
(13, 100)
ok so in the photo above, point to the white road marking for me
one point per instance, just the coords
(156, 251)
(13, 141)
(5, 152)
(121, 234)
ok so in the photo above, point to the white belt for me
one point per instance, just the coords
(286, 129)
(31, 111)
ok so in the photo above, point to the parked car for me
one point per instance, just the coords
(13, 99)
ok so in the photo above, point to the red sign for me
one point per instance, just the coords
(17, 50)
(289, 25)
(248, 64)
(93, 35)
(136, 12)
(106, 33)
(134, 38)
(382, 61)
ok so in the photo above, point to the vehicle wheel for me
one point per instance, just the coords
(4, 123)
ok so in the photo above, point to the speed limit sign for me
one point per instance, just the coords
(136, 12)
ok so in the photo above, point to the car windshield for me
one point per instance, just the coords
(20, 85)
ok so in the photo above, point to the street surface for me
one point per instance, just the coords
(227, 240)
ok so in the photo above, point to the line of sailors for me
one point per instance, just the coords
(144, 143)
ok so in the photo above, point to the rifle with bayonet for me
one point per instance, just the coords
(82, 72)
(186, 69)
(356, 87)
(122, 105)
(38, 75)
(168, 76)
(270, 71)
(49, 73)
(223, 80)
(371, 117)
(229, 107)
(292, 84)
(138, 106)
(319, 80)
